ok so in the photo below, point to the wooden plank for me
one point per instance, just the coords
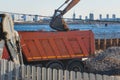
(10, 70)
(28, 73)
(99, 77)
(34, 73)
(39, 73)
(72, 75)
(13, 71)
(2, 73)
(85, 76)
(49, 74)
(17, 71)
(60, 77)
(23, 71)
(106, 77)
(6, 69)
(111, 41)
(104, 44)
(117, 41)
(55, 75)
(66, 75)
(117, 78)
(112, 77)
(92, 76)
(79, 76)
(98, 44)
(3, 70)
(44, 76)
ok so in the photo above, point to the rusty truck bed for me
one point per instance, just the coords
(41, 45)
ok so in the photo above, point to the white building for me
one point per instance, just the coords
(107, 16)
(91, 16)
(80, 17)
(100, 16)
(113, 16)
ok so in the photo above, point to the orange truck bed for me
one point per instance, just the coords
(41, 45)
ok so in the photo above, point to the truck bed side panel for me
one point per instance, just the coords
(38, 46)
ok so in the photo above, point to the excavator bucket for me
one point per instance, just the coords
(57, 21)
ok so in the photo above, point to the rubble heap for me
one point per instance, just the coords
(107, 61)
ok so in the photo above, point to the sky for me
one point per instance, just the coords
(47, 7)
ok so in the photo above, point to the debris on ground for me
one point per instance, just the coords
(107, 61)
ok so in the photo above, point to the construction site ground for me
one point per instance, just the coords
(105, 62)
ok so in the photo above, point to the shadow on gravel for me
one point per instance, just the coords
(109, 72)
(106, 62)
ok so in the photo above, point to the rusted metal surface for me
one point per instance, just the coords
(38, 46)
(105, 43)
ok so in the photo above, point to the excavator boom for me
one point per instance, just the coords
(57, 21)
(70, 5)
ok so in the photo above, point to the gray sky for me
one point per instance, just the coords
(47, 7)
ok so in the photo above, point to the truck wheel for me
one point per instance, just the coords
(75, 65)
(55, 65)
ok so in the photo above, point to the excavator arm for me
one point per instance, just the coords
(57, 21)
(70, 5)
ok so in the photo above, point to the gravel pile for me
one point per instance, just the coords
(107, 62)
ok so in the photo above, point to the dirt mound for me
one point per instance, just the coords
(107, 61)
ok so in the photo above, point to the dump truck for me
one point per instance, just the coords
(60, 49)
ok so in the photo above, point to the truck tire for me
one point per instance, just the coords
(75, 65)
(55, 65)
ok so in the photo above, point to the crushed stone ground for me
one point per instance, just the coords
(106, 62)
